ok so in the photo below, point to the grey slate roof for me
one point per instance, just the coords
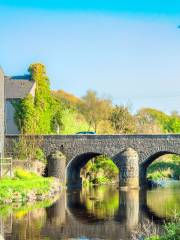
(17, 87)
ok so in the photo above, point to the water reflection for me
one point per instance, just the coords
(92, 213)
(167, 203)
(128, 208)
(101, 201)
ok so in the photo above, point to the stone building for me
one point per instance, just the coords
(12, 89)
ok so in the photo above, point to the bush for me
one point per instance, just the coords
(23, 174)
(172, 231)
(40, 155)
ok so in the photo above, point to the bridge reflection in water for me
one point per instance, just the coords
(93, 213)
(104, 213)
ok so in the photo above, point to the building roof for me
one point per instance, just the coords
(17, 87)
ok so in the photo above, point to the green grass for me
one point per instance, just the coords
(168, 168)
(17, 188)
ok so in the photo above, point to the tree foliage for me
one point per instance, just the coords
(121, 120)
(100, 170)
(66, 100)
(94, 109)
(151, 120)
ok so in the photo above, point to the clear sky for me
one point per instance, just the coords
(128, 50)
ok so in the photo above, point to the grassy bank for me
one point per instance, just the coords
(165, 168)
(26, 186)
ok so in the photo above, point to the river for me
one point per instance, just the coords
(101, 212)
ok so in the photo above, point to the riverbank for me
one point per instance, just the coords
(26, 186)
(164, 169)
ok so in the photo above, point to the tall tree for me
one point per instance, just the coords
(95, 109)
(149, 120)
(121, 120)
(66, 100)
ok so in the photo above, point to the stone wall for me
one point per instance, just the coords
(1, 112)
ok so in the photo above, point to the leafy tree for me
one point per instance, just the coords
(150, 120)
(104, 127)
(66, 100)
(95, 109)
(121, 120)
(173, 125)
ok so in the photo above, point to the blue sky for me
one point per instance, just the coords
(127, 50)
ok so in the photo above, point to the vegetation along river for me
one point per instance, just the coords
(101, 212)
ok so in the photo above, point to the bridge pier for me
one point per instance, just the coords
(57, 166)
(129, 169)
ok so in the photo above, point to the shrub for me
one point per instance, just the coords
(40, 155)
(23, 174)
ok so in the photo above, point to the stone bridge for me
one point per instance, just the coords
(131, 153)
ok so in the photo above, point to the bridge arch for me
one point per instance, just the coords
(150, 158)
(127, 162)
(74, 167)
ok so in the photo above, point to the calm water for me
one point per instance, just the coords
(93, 213)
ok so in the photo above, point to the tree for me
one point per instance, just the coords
(66, 100)
(121, 120)
(94, 109)
(173, 125)
(150, 120)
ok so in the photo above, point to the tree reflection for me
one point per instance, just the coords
(101, 201)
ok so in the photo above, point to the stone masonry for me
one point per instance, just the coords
(131, 153)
